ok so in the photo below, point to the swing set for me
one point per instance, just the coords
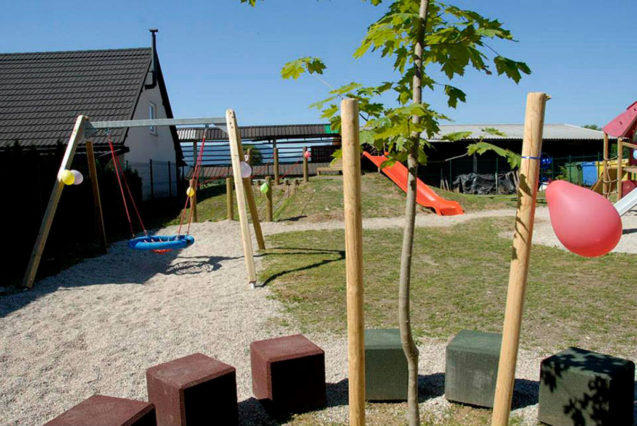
(85, 129)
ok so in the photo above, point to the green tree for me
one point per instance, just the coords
(417, 36)
(592, 126)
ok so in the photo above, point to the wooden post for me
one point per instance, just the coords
(605, 175)
(152, 185)
(56, 193)
(268, 195)
(305, 165)
(236, 155)
(353, 260)
(620, 168)
(229, 203)
(522, 241)
(97, 202)
(193, 200)
(275, 152)
(254, 213)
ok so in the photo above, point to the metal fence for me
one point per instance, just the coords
(159, 178)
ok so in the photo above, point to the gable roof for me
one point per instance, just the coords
(41, 94)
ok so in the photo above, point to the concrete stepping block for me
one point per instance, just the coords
(386, 374)
(101, 410)
(193, 390)
(288, 374)
(471, 369)
(586, 388)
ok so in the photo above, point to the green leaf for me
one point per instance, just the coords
(294, 69)
(510, 68)
(481, 147)
(456, 136)
(454, 95)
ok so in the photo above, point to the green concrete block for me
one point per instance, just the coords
(472, 367)
(586, 388)
(385, 366)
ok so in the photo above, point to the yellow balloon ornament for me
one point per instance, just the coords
(190, 192)
(67, 177)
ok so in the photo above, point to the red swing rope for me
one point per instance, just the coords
(195, 174)
(118, 170)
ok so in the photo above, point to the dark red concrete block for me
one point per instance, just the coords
(194, 390)
(101, 410)
(288, 374)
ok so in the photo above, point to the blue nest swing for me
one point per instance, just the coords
(161, 242)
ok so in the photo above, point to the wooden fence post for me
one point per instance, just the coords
(353, 260)
(97, 202)
(305, 165)
(56, 193)
(522, 241)
(229, 203)
(268, 205)
(275, 152)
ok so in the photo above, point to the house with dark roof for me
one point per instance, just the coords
(41, 94)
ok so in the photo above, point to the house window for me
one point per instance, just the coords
(152, 115)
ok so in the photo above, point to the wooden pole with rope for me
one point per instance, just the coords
(522, 242)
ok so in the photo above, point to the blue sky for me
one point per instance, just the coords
(219, 54)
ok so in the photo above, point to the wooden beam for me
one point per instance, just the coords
(56, 193)
(97, 201)
(353, 260)
(522, 241)
(236, 156)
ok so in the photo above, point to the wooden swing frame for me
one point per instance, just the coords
(84, 129)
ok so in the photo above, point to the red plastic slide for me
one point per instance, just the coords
(425, 196)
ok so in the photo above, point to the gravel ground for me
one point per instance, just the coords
(97, 326)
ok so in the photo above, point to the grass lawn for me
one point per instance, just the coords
(460, 276)
(322, 199)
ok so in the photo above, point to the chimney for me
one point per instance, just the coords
(153, 63)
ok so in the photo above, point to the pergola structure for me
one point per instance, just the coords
(84, 129)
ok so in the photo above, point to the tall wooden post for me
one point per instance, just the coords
(275, 152)
(353, 260)
(193, 200)
(254, 213)
(522, 241)
(305, 165)
(97, 202)
(236, 154)
(268, 195)
(229, 203)
(620, 167)
(56, 193)
(605, 175)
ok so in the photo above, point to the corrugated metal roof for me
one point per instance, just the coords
(516, 131)
(259, 132)
(42, 93)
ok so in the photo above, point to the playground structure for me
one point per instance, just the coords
(85, 129)
(425, 196)
(623, 127)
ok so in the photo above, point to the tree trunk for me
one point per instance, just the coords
(409, 346)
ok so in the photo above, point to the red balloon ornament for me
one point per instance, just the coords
(585, 222)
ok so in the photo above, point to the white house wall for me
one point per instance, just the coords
(159, 147)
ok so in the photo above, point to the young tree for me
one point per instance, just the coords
(417, 35)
